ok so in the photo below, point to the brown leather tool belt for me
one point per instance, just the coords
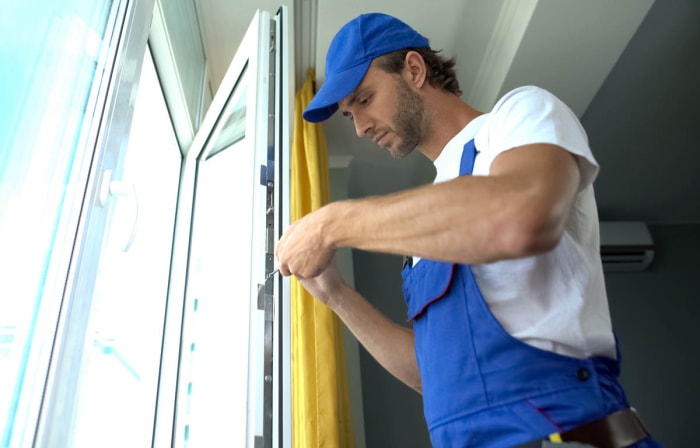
(617, 430)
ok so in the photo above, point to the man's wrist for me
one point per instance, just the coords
(336, 216)
(337, 298)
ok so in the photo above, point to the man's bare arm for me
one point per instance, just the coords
(519, 210)
(388, 342)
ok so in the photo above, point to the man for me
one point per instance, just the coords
(511, 341)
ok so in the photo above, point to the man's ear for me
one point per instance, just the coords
(415, 69)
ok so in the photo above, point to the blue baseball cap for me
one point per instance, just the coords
(350, 55)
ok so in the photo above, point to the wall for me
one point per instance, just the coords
(643, 123)
(344, 258)
(393, 412)
(655, 315)
(643, 129)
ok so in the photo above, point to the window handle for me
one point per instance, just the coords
(110, 188)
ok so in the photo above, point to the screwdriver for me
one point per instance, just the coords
(271, 274)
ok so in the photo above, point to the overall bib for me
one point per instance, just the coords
(484, 388)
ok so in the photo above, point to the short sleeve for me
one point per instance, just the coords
(530, 115)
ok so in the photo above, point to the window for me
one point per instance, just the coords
(54, 54)
(129, 274)
(114, 388)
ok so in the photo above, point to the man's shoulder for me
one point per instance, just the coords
(524, 94)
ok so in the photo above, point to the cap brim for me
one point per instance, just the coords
(325, 102)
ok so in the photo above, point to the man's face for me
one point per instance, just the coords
(384, 108)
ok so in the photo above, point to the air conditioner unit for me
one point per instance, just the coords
(625, 246)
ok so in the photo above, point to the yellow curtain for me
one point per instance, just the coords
(320, 400)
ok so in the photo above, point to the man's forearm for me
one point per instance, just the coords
(388, 342)
(441, 222)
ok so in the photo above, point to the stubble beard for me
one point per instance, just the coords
(408, 121)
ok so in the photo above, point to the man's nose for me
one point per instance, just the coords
(362, 126)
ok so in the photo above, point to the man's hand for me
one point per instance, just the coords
(304, 250)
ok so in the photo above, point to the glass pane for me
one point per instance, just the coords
(233, 130)
(116, 391)
(52, 54)
(214, 368)
(188, 52)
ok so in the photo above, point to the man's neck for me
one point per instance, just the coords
(447, 116)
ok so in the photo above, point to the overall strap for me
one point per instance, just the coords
(468, 156)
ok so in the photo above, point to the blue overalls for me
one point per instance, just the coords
(484, 388)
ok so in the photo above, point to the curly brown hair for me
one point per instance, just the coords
(441, 72)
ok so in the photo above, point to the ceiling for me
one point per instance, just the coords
(568, 45)
(575, 48)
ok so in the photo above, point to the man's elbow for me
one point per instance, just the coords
(532, 236)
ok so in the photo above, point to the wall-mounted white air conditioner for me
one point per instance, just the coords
(625, 246)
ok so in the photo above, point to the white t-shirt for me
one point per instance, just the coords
(554, 301)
